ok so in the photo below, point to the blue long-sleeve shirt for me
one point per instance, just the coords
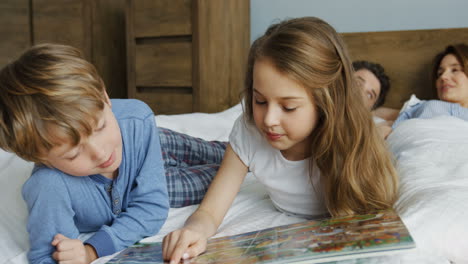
(432, 108)
(120, 211)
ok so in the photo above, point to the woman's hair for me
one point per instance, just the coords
(460, 51)
(48, 94)
(357, 170)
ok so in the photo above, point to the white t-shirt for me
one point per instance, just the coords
(287, 182)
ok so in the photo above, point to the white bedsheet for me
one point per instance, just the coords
(414, 144)
(434, 194)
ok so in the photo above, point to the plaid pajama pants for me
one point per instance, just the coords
(190, 164)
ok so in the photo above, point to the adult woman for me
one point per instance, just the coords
(450, 79)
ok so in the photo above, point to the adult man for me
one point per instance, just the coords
(375, 85)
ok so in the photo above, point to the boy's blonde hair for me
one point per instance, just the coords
(49, 94)
(357, 170)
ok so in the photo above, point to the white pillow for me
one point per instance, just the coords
(410, 103)
(215, 126)
(13, 212)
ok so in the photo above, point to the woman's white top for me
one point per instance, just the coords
(287, 182)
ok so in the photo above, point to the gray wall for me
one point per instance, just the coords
(363, 15)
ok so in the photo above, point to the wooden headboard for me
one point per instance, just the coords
(214, 85)
(406, 56)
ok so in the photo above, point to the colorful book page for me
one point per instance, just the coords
(314, 241)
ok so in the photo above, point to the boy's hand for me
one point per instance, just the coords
(72, 251)
(183, 244)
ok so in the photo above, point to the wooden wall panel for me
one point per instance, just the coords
(406, 56)
(164, 63)
(63, 21)
(162, 101)
(155, 18)
(14, 29)
(130, 46)
(187, 55)
(94, 26)
(108, 44)
(222, 48)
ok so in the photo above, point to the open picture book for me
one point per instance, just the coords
(313, 241)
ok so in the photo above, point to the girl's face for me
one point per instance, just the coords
(100, 153)
(283, 110)
(452, 83)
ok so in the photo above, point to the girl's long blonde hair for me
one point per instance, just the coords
(357, 170)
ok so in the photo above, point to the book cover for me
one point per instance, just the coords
(314, 241)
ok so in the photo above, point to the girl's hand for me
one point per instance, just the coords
(72, 250)
(183, 244)
(190, 241)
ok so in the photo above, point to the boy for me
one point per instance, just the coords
(99, 166)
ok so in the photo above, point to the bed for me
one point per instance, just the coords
(430, 156)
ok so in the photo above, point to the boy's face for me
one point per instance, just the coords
(100, 153)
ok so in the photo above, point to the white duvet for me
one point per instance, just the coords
(431, 156)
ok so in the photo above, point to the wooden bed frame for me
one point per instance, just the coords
(406, 56)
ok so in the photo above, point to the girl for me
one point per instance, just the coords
(449, 78)
(306, 135)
